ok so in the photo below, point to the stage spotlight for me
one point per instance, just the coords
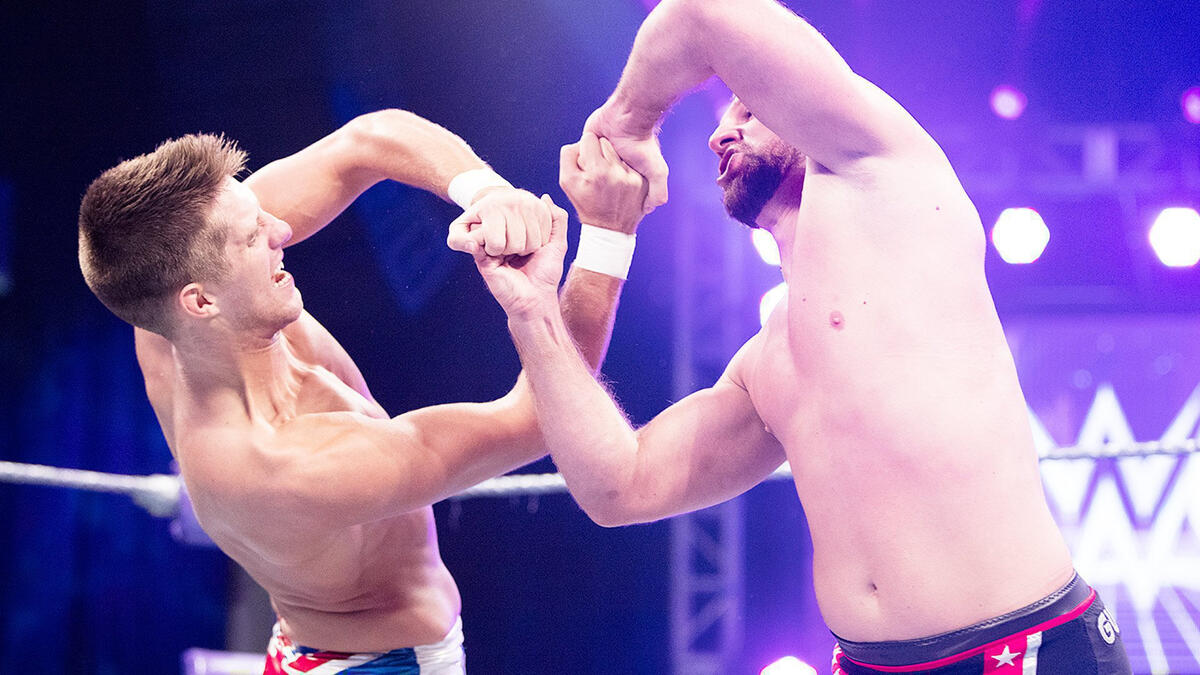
(1008, 102)
(789, 665)
(1020, 235)
(765, 244)
(768, 302)
(1175, 236)
(1190, 102)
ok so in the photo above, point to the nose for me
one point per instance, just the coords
(281, 232)
(724, 135)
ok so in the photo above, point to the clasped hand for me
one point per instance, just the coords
(518, 242)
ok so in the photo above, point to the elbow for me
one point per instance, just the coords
(376, 130)
(611, 511)
(708, 15)
(609, 519)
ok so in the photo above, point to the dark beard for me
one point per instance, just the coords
(760, 177)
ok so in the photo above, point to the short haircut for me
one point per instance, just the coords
(144, 230)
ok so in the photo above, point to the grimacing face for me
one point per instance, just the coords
(257, 295)
(754, 162)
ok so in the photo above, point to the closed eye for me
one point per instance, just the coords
(258, 227)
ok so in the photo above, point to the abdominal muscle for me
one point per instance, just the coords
(369, 588)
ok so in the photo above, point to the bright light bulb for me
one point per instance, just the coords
(1190, 102)
(789, 665)
(768, 302)
(765, 244)
(1020, 235)
(1175, 237)
(1008, 102)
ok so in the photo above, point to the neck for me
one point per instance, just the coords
(260, 371)
(779, 216)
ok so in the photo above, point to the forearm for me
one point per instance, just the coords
(778, 64)
(310, 188)
(589, 306)
(398, 145)
(592, 443)
(665, 63)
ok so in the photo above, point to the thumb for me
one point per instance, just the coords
(460, 236)
(656, 193)
(558, 220)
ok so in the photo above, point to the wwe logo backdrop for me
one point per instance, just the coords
(1133, 524)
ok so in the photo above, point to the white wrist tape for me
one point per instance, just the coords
(463, 187)
(605, 251)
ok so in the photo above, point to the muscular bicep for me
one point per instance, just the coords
(707, 448)
(340, 469)
(311, 187)
(792, 79)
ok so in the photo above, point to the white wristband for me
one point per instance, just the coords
(464, 186)
(605, 251)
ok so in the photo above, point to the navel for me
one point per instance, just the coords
(836, 320)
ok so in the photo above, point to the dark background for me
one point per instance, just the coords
(92, 584)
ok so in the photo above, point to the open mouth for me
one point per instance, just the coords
(281, 278)
(723, 167)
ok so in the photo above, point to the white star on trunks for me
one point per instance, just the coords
(1006, 657)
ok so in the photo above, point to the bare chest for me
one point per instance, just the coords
(320, 391)
(771, 378)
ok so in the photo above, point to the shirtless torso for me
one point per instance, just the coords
(884, 377)
(887, 380)
(363, 587)
(292, 467)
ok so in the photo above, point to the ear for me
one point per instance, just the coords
(196, 302)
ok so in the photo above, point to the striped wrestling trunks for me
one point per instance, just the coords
(1067, 632)
(441, 658)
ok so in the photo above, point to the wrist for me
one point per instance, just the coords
(531, 313)
(605, 251)
(612, 222)
(468, 186)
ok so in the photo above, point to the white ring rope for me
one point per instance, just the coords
(157, 493)
(545, 483)
(160, 493)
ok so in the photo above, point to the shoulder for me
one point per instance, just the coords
(747, 355)
(261, 467)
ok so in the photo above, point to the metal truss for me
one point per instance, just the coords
(707, 546)
(1122, 160)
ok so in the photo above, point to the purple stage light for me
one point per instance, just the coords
(789, 665)
(1175, 236)
(1008, 102)
(1020, 235)
(765, 244)
(1190, 102)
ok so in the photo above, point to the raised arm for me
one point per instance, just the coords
(775, 62)
(358, 469)
(707, 448)
(361, 469)
(703, 450)
(310, 188)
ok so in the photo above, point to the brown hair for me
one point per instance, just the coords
(144, 231)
